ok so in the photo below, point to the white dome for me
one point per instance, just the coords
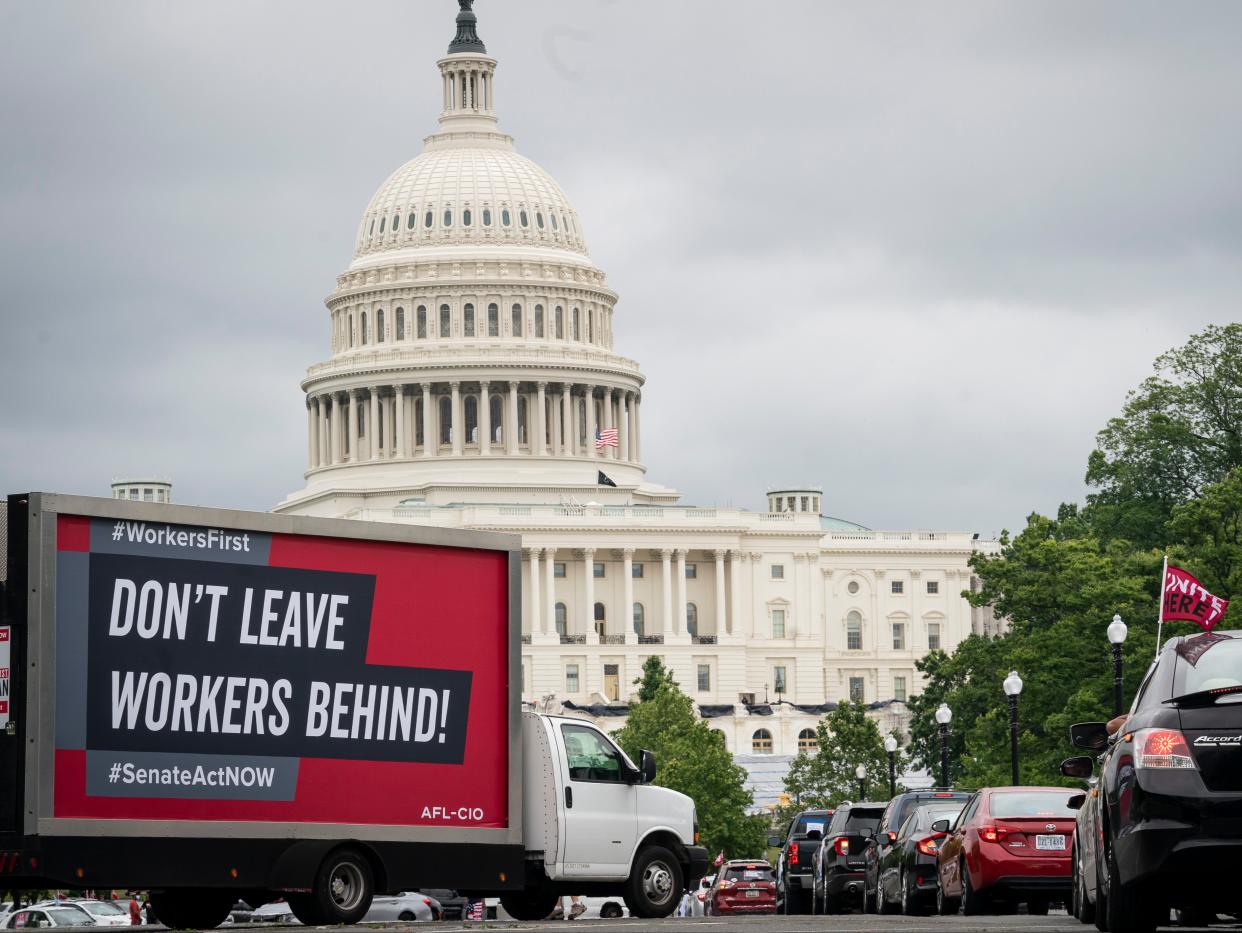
(470, 195)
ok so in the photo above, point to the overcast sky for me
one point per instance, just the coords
(914, 253)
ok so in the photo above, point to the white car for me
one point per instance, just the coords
(698, 897)
(51, 914)
(105, 913)
(275, 912)
(408, 905)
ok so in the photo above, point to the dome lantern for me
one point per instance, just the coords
(466, 40)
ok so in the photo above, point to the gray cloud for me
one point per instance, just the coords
(916, 254)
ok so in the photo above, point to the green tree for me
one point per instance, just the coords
(1178, 432)
(847, 737)
(692, 758)
(1208, 531)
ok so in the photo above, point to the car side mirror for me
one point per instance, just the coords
(1092, 736)
(774, 842)
(1076, 802)
(1080, 766)
(940, 826)
(647, 766)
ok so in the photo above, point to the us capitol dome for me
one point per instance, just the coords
(472, 382)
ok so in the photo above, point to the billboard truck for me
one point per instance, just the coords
(216, 705)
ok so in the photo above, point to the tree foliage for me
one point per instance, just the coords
(692, 758)
(847, 737)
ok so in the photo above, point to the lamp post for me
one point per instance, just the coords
(1117, 636)
(1013, 689)
(890, 746)
(861, 773)
(944, 716)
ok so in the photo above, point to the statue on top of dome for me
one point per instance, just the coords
(466, 40)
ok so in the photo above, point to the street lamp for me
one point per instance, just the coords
(944, 716)
(890, 746)
(1013, 688)
(861, 773)
(1117, 636)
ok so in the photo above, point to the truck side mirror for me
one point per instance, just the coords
(1080, 766)
(774, 842)
(647, 766)
(1076, 802)
(940, 826)
(1092, 736)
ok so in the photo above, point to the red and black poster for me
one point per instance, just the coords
(221, 674)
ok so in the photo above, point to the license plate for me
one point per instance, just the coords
(752, 893)
(1050, 842)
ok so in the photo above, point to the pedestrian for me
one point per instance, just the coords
(135, 910)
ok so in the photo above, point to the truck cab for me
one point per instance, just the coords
(595, 824)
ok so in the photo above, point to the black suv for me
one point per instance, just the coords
(837, 873)
(793, 865)
(894, 815)
(1168, 828)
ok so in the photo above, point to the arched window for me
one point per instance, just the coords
(382, 221)
(419, 420)
(516, 320)
(552, 217)
(504, 217)
(446, 321)
(401, 323)
(808, 741)
(468, 320)
(497, 419)
(487, 216)
(364, 328)
(692, 619)
(465, 217)
(379, 326)
(522, 218)
(562, 619)
(853, 630)
(351, 330)
(446, 420)
(574, 330)
(591, 326)
(421, 322)
(539, 219)
(493, 321)
(428, 219)
(761, 742)
(601, 619)
(411, 221)
(539, 321)
(640, 620)
(560, 323)
(472, 419)
(371, 231)
(448, 217)
(396, 222)
(522, 418)
(582, 427)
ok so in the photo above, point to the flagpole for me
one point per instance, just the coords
(1164, 577)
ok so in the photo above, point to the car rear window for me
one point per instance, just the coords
(859, 821)
(1031, 803)
(1206, 662)
(811, 821)
(930, 814)
(750, 873)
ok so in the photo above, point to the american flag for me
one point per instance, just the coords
(605, 438)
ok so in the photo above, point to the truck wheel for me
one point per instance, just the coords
(190, 909)
(529, 904)
(655, 883)
(342, 891)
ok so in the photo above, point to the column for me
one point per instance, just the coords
(511, 422)
(590, 422)
(536, 617)
(374, 416)
(485, 420)
(588, 567)
(666, 576)
(735, 593)
(609, 453)
(627, 617)
(429, 422)
(549, 578)
(399, 401)
(567, 435)
(623, 423)
(459, 423)
(679, 620)
(541, 414)
(312, 435)
(631, 437)
(720, 594)
(389, 408)
(325, 433)
(638, 430)
(355, 398)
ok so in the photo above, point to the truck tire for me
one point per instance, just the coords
(342, 892)
(655, 884)
(192, 909)
(529, 904)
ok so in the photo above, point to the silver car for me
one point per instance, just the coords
(408, 905)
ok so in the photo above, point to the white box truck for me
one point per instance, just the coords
(216, 705)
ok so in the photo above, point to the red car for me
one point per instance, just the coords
(1009, 845)
(742, 887)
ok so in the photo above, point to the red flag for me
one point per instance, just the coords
(720, 858)
(1186, 600)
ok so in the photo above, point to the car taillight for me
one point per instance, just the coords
(841, 845)
(928, 846)
(993, 833)
(892, 837)
(1162, 748)
(793, 853)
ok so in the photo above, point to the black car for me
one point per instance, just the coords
(793, 865)
(837, 880)
(907, 872)
(1167, 830)
(895, 814)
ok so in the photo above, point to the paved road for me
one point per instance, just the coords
(849, 923)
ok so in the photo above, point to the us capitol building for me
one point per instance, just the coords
(473, 383)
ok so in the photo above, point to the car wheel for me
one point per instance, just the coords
(654, 886)
(610, 911)
(1129, 911)
(870, 897)
(406, 916)
(972, 901)
(945, 906)
(909, 897)
(883, 905)
(529, 904)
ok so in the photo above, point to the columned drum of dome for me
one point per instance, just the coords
(471, 336)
